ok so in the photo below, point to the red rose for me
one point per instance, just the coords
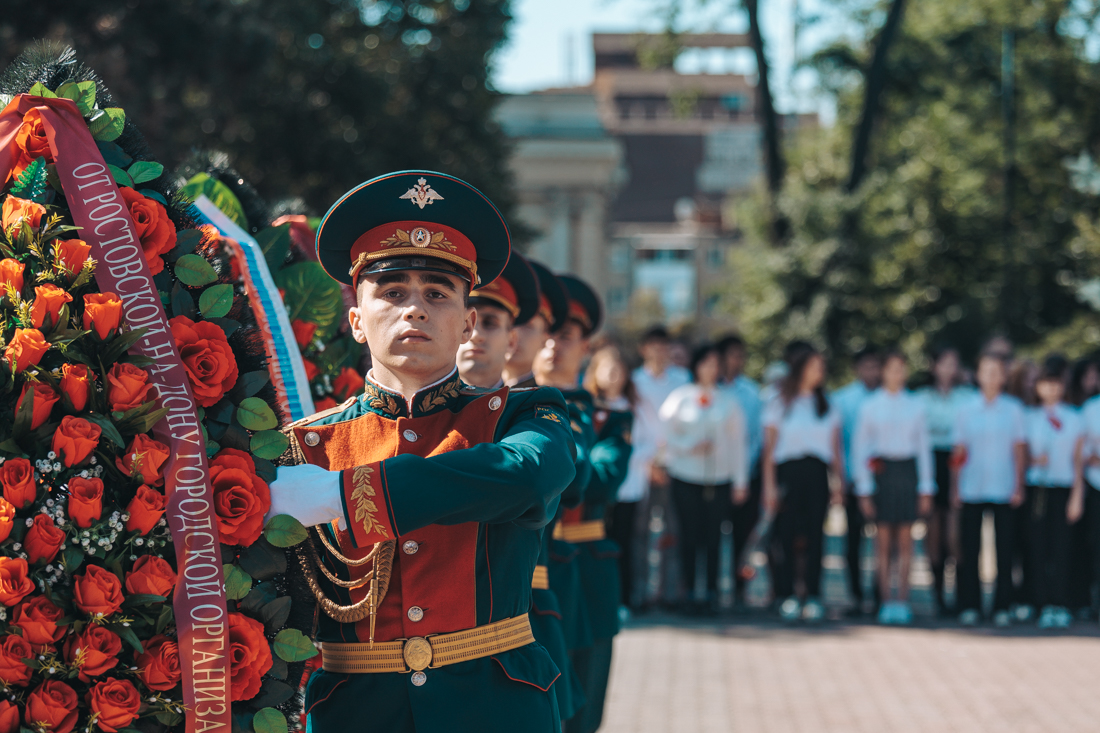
(52, 706)
(18, 210)
(116, 702)
(85, 501)
(155, 230)
(44, 399)
(97, 591)
(303, 332)
(144, 459)
(13, 650)
(38, 618)
(11, 275)
(160, 664)
(7, 519)
(48, 301)
(145, 510)
(17, 478)
(127, 387)
(69, 255)
(14, 583)
(249, 656)
(31, 143)
(207, 357)
(348, 383)
(75, 439)
(43, 539)
(26, 348)
(102, 313)
(9, 717)
(76, 383)
(93, 652)
(152, 575)
(241, 498)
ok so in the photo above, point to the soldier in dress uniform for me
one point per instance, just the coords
(425, 497)
(595, 557)
(531, 337)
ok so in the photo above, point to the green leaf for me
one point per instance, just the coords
(39, 90)
(202, 184)
(283, 530)
(144, 599)
(107, 124)
(269, 720)
(270, 444)
(275, 614)
(31, 183)
(145, 170)
(194, 271)
(81, 92)
(260, 596)
(238, 583)
(165, 618)
(272, 693)
(121, 177)
(262, 561)
(109, 430)
(24, 412)
(216, 300)
(151, 194)
(120, 343)
(255, 414)
(274, 243)
(114, 154)
(182, 302)
(249, 384)
(313, 296)
(278, 668)
(227, 324)
(292, 646)
(126, 633)
(73, 557)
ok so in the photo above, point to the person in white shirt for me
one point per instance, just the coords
(801, 442)
(892, 466)
(990, 459)
(1084, 545)
(707, 457)
(1056, 441)
(847, 400)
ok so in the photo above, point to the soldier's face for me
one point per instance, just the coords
(413, 321)
(559, 362)
(530, 338)
(481, 359)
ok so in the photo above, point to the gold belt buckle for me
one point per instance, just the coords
(417, 653)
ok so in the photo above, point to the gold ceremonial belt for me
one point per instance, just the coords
(540, 580)
(581, 531)
(420, 653)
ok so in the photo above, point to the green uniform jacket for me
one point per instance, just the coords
(464, 480)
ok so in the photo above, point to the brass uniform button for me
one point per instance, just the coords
(419, 678)
(416, 613)
(312, 438)
(410, 436)
(494, 403)
(410, 547)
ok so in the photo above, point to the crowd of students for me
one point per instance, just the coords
(1014, 439)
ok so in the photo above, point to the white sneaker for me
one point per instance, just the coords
(969, 617)
(1002, 619)
(813, 611)
(886, 613)
(1048, 619)
(1024, 613)
(1062, 618)
(790, 609)
(904, 614)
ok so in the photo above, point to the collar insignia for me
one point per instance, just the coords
(422, 194)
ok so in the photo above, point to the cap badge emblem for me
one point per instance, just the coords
(419, 237)
(422, 194)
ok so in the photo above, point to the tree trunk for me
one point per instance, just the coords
(774, 163)
(872, 91)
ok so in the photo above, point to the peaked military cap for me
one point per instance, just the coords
(516, 290)
(553, 300)
(584, 304)
(414, 220)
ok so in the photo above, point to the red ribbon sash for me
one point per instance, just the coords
(99, 209)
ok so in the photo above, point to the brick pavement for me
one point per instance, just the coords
(671, 677)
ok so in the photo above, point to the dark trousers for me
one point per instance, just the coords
(1049, 547)
(942, 509)
(701, 510)
(856, 522)
(1092, 516)
(1081, 553)
(621, 529)
(804, 492)
(744, 518)
(593, 667)
(970, 531)
(1023, 592)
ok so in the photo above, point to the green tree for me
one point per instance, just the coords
(307, 98)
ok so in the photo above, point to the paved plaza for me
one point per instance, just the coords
(670, 676)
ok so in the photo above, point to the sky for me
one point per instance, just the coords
(550, 43)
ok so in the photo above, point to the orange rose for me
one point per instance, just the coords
(303, 332)
(43, 539)
(11, 273)
(31, 143)
(75, 439)
(76, 383)
(14, 649)
(97, 591)
(7, 519)
(324, 403)
(160, 663)
(152, 575)
(347, 383)
(207, 357)
(26, 348)
(9, 717)
(93, 652)
(37, 618)
(145, 510)
(44, 399)
(102, 313)
(48, 300)
(127, 387)
(52, 706)
(241, 498)
(69, 255)
(144, 458)
(85, 501)
(18, 210)
(17, 478)
(155, 230)
(312, 369)
(14, 583)
(249, 656)
(116, 702)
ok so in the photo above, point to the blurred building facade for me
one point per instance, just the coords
(631, 181)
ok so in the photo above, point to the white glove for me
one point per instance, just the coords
(308, 493)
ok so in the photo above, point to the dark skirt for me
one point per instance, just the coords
(896, 492)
